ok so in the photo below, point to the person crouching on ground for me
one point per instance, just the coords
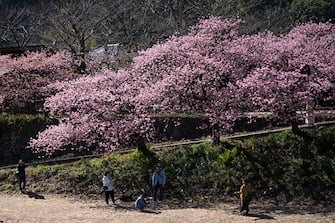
(158, 182)
(107, 183)
(245, 196)
(141, 201)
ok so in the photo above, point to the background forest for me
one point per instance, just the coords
(85, 24)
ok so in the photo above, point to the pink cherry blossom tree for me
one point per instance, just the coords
(213, 71)
(24, 78)
(289, 72)
(98, 111)
(194, 74)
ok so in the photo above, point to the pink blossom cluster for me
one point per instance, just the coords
(40, 60)
(25, 77)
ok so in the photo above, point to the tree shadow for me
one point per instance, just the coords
(32, 194)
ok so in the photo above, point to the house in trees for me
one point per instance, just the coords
(111, 51)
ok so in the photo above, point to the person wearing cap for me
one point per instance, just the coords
(158, 182)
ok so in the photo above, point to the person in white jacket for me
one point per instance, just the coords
(107, 183)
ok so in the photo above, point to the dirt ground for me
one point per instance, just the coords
(34, 208)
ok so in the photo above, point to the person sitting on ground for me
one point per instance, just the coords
(107, 183)
(141, 201)
(245, 196)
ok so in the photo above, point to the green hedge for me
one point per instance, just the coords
(15, 132)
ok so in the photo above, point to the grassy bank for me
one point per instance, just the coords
(281, 167)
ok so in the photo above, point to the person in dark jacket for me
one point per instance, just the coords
(158, 182)
(21, 174)
(141, 202)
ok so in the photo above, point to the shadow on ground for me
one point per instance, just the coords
(128, 206)
(32, 194)
(261, 216)
(150, 212)
(294, 209)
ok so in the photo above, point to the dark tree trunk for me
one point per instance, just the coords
(297, 131)
(141, 147)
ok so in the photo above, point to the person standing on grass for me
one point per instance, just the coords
(158, 182)
(245, 196)
(21, 174)
(107, 184)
